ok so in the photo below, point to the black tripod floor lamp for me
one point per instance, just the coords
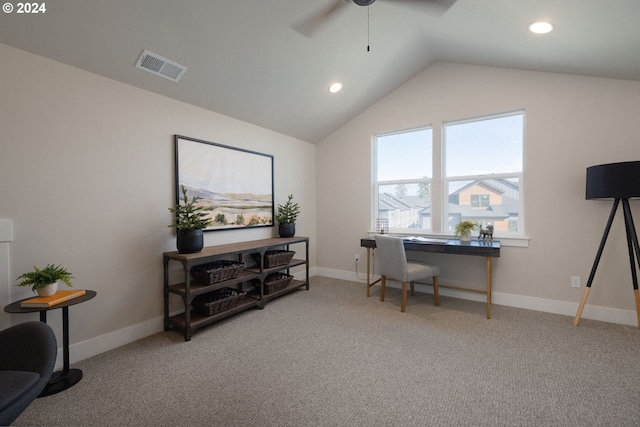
(618, 182)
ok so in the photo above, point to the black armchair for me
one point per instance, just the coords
(27, 358)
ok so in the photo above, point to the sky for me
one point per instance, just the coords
(405, 155)
(483, 146)
(224, 169)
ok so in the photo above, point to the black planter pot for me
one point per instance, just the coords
(287, 230)
(190, 241)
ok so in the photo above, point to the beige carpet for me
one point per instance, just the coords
(332, 357)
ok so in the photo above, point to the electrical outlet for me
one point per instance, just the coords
(357, 257)
(575, 281)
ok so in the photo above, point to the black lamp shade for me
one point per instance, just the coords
(614, 181)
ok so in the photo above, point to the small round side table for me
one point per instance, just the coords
(66, 378)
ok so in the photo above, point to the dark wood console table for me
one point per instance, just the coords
(445, 246)
(188, 321)
(66, 378)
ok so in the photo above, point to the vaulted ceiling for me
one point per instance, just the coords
(246, 60)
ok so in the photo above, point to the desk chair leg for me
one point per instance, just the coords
(383, 286)
(413, 289)
(436, 295)
(488, 287)
(368, 275)
(404, 297)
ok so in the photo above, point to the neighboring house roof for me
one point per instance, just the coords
(390, 202)
(416, 201)
(507, 189)
(501, 186)
(509, 207)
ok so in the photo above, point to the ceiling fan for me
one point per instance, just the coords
(314, 22)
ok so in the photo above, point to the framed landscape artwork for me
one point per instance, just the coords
(235, 186)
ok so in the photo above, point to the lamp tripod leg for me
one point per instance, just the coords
(634, 252)
(614, 208)
(583, 301)
(637, 295)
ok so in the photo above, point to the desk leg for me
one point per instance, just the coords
(488, 287)
(368, 274)
(62, 380)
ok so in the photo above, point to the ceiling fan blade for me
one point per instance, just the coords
(315, 21)
(433, 7)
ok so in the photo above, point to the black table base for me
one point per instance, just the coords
(62, 380)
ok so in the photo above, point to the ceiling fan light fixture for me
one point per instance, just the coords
(363, 2)
(541, 27)
(335, 87)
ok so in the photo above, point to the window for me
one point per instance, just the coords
(481, 179)
(483, 172)
(479, 200)
(403, 165)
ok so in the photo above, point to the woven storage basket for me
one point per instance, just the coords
(217, 271)
(276, 282)
(275, 258)
(219, 300)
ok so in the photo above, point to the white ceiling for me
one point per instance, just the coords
(246, 61)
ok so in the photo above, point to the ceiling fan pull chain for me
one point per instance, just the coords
(368, 46)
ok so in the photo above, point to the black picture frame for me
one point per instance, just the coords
(235, 185)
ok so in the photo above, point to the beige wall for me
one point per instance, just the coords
(571, 123)
(87, 175)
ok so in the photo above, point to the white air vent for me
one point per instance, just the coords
(160, 66)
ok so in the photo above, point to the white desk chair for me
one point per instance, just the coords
(393, 264)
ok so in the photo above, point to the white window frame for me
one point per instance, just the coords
(377, 184)
(519, 175)
(440, 182)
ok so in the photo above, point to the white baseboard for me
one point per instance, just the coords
(361, 276)
(594, 312)
(97, 345)
(300, 275)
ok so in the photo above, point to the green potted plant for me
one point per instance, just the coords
(189, 220)
(45, 281)
(464, 228)
(286, 217)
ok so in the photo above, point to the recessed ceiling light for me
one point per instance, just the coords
(541, 27)
(335, 87)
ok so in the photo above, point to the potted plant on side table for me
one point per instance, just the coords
(189, 220)
(286, 217)
(45, 281)
(464, 229)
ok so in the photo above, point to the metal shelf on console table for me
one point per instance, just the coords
(291, 287)
(214, 253)
(197, 288)
(198, 320)
(295, 284)
(293, 263)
